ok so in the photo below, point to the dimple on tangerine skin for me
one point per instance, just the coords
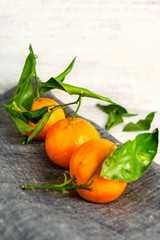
(82, 165)
(57, 115)
(64, 138)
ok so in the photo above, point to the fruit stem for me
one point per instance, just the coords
(79, 101)
(64, 105)
(100, 163)
(58, 187)
(61, 187)
(64, 186)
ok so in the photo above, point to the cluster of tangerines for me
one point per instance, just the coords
(74, 143)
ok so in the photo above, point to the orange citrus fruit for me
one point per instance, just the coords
(63, 138)
(55, 116)
(83, 163)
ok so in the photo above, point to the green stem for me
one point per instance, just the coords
(65, 181)
(58, 187)
(61, 187)
(64, 105)
(79, 104)
(64, 186)
(100, 163)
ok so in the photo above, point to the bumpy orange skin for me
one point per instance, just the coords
(56, 115)
(82, 165)
(64, 138)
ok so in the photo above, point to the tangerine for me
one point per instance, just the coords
(55, 116)
(84, 162)
(64, 137)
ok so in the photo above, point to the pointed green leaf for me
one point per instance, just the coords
(28, 70)
(114, 119)
(23, 141)
(116, 114)
(36, 115)
(23, 127)
(129, 115)
(141, 125)
(42, 122)
(111, 108)
(56, 84)
(23, 95)
(62, 76)
(115, 107)
(128, 162)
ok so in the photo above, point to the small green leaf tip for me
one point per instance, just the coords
(23, 141)
(62, 76)
(141, 125)
(30, 48)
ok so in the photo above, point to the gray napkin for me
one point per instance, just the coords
(46, 215)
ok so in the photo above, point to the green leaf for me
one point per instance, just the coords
(116, 114)
(23, 95)
(42, 122)
(23, 141)
(36, 115)
(129, 115)
(62, 76)
(128, 162)
(114, 119)
(28, 70)
(73, 90)
(16, 108)
(112, 107)
(141, 125)
(23, 127)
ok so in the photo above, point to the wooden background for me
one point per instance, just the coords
(117, 44)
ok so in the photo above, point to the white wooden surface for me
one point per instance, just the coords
(117, 44)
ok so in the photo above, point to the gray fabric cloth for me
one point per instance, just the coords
(45, 215)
